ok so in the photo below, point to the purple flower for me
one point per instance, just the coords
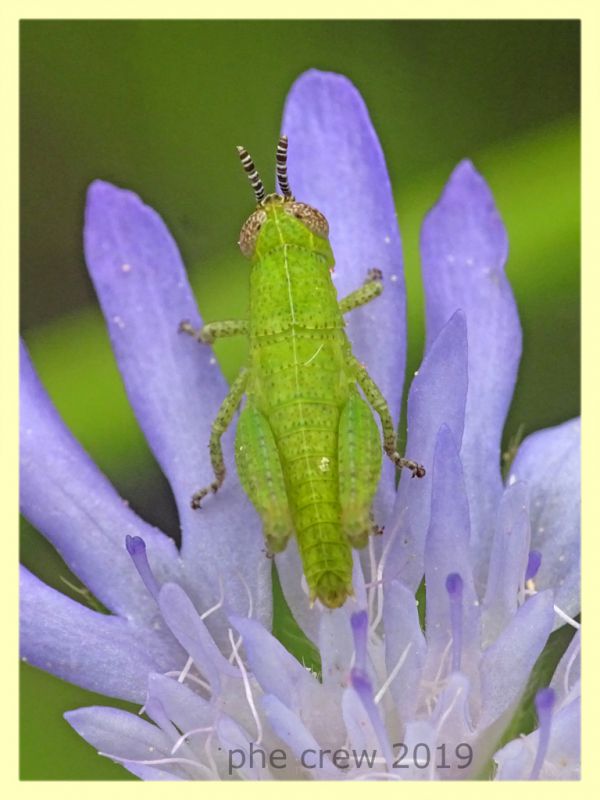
(188, 634)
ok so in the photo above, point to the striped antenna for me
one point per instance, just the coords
(282, 176)
(252, 172)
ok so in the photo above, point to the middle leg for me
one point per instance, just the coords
(218, 428)
(215, 330)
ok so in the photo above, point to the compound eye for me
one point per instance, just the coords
(309, 216)
(250, 230)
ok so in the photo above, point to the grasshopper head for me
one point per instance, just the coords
(273, 210)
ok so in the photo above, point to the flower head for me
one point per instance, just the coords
(188, 633)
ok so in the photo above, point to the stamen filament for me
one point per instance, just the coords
(185, 736)
(397, 667)
(247, 688)
(217, 605)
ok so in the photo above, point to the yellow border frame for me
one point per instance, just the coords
(10, 15)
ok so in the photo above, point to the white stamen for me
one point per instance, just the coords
(184, 672)
(378, 583)
(247, 689)
(248, 592)
(567, 618)
(185, 736)
(175, 673)
(217, 605)
(437, 684)
(447, 712)
(388, 681)
(231, 657)
(151, 762)
(569, 666)
(531, 590)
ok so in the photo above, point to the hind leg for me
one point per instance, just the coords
(359, 465)
(261, 475)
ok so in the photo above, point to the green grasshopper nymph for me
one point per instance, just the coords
(308, 450)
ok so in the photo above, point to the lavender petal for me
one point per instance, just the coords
(288, 726)
(192, 633)
(549, 462)
(464, 249)
(185, 707)
(515, 760)
(567, 676)
(275, 669)
(102, 653)
(507, 664)
(508, 561)
(336, 648)
(404, 641)
(175, 388)
(66, 497)
(447, 552)
(118, 733)
(437, 397)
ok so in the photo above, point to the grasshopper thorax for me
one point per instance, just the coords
(275, 208)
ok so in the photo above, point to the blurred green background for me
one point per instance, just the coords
(159, 106)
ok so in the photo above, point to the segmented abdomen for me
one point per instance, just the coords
(303, 386)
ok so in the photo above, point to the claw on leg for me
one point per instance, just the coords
(185, 326)
(208, 333)
(418, 470)
(199, 496)
(201, 335)
(374, 274)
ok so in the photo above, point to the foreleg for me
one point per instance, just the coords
(215, 330)
(370, 289)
